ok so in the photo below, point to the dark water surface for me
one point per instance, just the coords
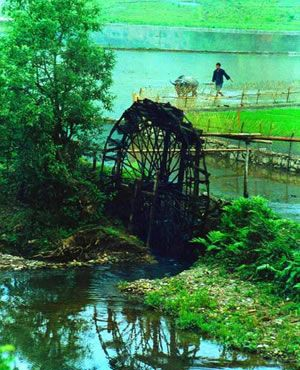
(77, 319)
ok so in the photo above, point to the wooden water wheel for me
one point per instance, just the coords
(154, 150)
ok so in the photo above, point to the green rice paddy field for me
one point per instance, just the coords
(275, 122)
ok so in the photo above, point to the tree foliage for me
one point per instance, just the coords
(54, 85)
(6, 357)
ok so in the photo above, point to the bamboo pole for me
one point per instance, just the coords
(246, 171)
(212, 150)
(290, 152)
(257, 96)
(288, 95)
(249, 136)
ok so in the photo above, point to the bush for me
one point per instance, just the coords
(38, 224)
(6, 357)
(253, 241)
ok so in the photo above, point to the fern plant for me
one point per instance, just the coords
(255, 242)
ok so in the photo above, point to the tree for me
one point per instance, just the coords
(54, 85)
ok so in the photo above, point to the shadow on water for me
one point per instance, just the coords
(77, 319)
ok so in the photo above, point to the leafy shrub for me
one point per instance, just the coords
(255, 242)
(6, 357)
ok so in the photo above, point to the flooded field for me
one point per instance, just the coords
(137, 69)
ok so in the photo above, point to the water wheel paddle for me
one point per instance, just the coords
(154, 150)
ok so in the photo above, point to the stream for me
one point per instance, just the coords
(77, 320)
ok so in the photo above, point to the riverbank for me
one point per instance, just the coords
(126, 36)
(94, 245)
(193, 39)
(240, 314)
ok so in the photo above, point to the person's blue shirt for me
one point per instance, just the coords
(218, 76)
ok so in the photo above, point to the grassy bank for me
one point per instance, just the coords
(269, 15)
(239, 314)
(244, 290)
(277, 122)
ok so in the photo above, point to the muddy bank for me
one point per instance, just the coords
(124, 36)
(97, 245)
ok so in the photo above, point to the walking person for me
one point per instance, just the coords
(218, 78)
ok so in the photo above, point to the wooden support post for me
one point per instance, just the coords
(242, 98)
(257, 96)
(182, 166)
(288, 95)
(246, 170)
(196, 170)
(117, 173)
(134, 204)
(239, 144)
(152, 214)
(163, 175)
(238, 116)
(290, 152)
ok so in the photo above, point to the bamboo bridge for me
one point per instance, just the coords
(248, 97)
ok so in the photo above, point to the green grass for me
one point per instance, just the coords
(275, 122)
(239, 314)
(267, 15)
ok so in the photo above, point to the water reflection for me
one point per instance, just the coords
(76, 319)
(136, 340)
(39, 318)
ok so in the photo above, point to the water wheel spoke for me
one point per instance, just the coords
(157, 144)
